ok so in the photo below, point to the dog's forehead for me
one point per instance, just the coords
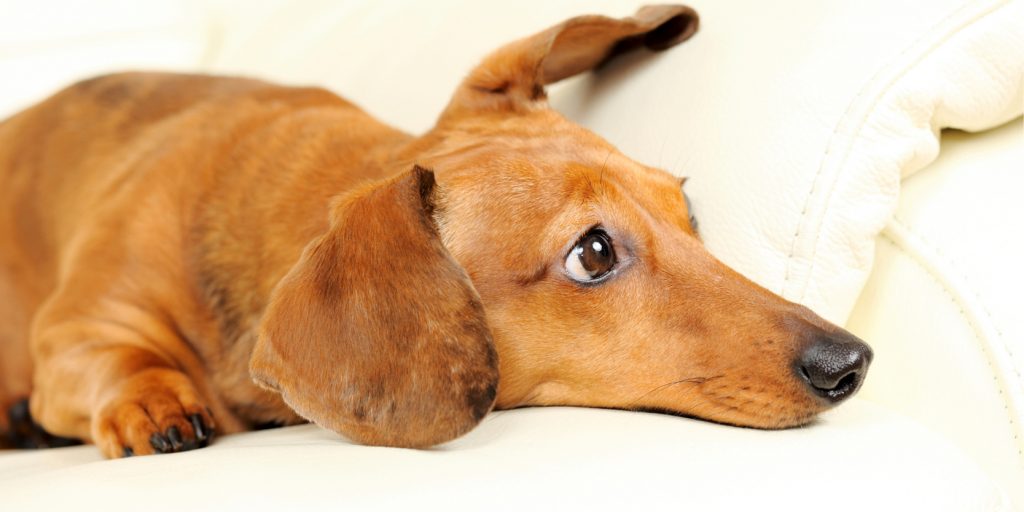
(542, 166)
(621, 186)
(585, 187)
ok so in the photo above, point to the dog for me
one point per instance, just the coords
(186, 254)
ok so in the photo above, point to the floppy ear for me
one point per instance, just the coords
(514, 76)
(376, 332)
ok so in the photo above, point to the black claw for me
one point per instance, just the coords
(207, 440)
(128, 452)
(159, 443)
(198, 427)
(174, 435)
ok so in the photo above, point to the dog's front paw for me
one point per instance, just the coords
(154, 411)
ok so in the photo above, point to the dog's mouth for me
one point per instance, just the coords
(828, 371)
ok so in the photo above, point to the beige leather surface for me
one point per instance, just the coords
(942, 308)
(859, 458)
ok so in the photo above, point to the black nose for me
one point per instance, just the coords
(834, 365)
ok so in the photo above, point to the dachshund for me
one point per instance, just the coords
(181, 254)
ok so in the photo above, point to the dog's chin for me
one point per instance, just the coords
(785, 423)
(746, 419)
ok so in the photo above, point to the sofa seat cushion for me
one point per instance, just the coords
(858, 457)
(942, 306)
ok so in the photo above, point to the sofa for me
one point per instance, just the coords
(862, 158)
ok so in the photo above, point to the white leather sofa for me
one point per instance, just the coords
(810, 129)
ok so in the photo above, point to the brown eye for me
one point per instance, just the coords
(592, 258)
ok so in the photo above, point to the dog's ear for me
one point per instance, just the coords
(513, 77)
(376, 332)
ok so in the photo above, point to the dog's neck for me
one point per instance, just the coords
(268, 234)
(239, 255)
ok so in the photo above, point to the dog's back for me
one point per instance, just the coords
(64, 156)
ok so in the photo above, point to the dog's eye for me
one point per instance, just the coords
(592, 258)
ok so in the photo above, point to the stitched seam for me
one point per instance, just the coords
(952, 263)
(976, 331)
(853, 136)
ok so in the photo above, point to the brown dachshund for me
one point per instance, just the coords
(183, 253)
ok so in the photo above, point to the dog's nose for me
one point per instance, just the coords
(834, 365)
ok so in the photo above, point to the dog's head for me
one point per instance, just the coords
(546, 254)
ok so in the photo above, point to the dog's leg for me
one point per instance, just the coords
(6, 434)
(113, 376)
(15, 363)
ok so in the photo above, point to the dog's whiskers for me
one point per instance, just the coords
(661, 152)
(690, 380)
(681, 163)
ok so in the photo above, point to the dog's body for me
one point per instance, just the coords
(159, 237)
(183, 251)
